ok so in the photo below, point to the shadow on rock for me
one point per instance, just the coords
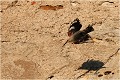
(89, 65)
(92, 65)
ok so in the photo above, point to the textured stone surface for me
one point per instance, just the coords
(32, 39)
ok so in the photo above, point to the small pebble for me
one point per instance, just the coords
(50, 77)
(112, 73)
(107, 72)
(100, 75)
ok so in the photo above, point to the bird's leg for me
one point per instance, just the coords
(90, 38)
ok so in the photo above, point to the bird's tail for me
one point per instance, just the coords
(89, 29)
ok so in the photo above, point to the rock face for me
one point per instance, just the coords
(32, 35)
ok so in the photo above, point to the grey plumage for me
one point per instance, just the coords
(80, 35)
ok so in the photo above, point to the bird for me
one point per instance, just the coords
(79, 36)
(74, 27)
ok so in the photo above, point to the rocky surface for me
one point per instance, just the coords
(33, 32)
